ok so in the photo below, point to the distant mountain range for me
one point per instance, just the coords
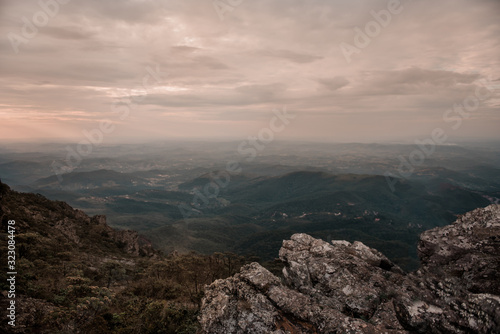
(166, 191)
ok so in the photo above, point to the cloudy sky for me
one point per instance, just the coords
(217, 69)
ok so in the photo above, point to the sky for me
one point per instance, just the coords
(343, 71)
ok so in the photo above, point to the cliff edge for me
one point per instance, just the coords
(343, 287)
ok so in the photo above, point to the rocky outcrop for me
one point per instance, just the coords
(343, 287)
(129, 240)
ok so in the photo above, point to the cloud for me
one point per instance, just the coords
(412, 81)
(69, 33)
(262, 92)
(262, 56)
(183, 49)
(333, 83)
(290, 55)
(415, 76)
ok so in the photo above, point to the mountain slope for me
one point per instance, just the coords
(343, 206)
(75, 274)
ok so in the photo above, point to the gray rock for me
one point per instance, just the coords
(343, 287)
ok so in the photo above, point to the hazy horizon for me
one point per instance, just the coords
(348, 72)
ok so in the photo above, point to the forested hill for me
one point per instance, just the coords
(75, 274)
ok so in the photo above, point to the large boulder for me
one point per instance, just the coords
(343, 287)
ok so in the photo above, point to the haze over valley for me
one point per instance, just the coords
(208, 197)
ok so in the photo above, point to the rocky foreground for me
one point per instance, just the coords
(343, 287)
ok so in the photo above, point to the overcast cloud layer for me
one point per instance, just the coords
(222, 78)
